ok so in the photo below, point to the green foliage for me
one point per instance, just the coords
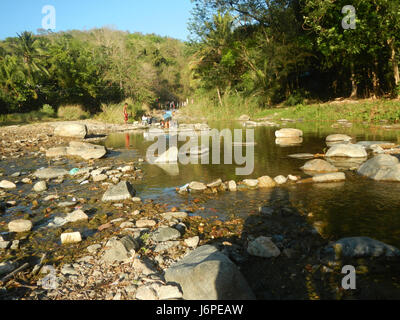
(72, 112)
(48, 110)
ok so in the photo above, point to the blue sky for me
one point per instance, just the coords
(163, 17)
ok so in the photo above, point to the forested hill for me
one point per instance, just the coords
(253, 52)
(90, 68)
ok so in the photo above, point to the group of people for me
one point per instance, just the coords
(147, 119)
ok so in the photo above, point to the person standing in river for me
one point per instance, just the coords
(126, 116)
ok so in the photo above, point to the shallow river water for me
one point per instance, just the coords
(357, 207)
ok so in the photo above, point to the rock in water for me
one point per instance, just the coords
(50, 173)
(319, 165)
(86, 151)
(280, 179)
(252, 183)
(288, 133)
(289, 142)
(263, 247)
(207, 274)
(232, 186)
(361, 247)
(347, 150)
(73, 237)
(72, 130)
(215, 184)
(77, 215)
(120, 192)
(197, 186)
(7, 185)
(329, 177)
(20, 226)
(383, 167)
(338, 137)
(266, 182)
(169, 156)
(40, 186)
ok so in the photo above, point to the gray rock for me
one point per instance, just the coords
(168, 292)
(207, 274)
(164, 246)
(197, 186)
(347, 150)
(120, 192)
(68, 270)
(100, 177)
(146, 294)
(119, 250)
(40, 186)
(165, 234)
(93, 248)
(56, 152)
(215, 184)
(361, 247)
(263, 247)
(319, 165)
(50, 173)
(382, 167)
(72, 130)
(144, 223)
(174, 215)
(86, 151)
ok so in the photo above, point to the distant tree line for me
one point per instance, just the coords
(289, 50)
(90, 68)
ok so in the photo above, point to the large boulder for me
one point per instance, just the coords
(347, 150)
(207, 274)
(319, 165)
(360, 247)
(120, 192)
(382, 167)
(288, 133)
(71, 130)
(50, 173)
(86, 151)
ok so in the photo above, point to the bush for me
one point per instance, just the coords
(48, 110)
(72, 112)
(113, 113)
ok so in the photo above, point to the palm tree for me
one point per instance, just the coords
(33, 55)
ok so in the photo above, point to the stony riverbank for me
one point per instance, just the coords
(123, 247)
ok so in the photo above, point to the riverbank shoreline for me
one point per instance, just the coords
(147, 238)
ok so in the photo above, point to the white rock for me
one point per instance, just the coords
(192, 242)
(4, 184)
(347, 150)
(40, 186)
(281, 179)
(288, 133)
(20, 226)
(252, 183)
(73, 237)
(77, 215)
(232, 186)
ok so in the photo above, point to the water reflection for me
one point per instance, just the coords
(356, 207)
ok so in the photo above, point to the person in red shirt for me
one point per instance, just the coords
(126, 116)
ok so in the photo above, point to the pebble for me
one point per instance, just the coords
(40, 186)
(20, 226)
(145, 223)
(4, 184)
(192, 242)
